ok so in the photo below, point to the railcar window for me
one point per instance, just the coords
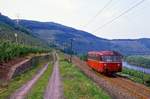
(94, 57)
(100, 58)
(111, 58)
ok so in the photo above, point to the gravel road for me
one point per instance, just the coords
(22, 92)
(54, 88)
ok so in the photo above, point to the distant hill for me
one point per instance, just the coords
(61, 35)
(48, 33)
(84, 41)
(8, 28)
(132, 46)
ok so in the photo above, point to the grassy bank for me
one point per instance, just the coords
(137, 76)
(38, 89)
(18, 81)
(78, 86)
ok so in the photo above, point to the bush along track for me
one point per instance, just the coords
(137, 76)
(77, 85)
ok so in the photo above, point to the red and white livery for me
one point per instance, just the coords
(105, 61)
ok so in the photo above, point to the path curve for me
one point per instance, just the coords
(22, 92)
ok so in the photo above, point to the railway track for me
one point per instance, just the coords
(145, 91)
(118, 87)
(128, 86)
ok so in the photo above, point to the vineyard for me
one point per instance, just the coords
(9, 50)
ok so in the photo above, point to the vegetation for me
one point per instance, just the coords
(7, 32)
(137, 76)
(78, 86)
(83, 41)
(10, 50)
(139, 61)
(83, 57)
(18, 81)
(38, 89)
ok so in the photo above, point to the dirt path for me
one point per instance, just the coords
(21, 92)
(118, 87)
(54, 88)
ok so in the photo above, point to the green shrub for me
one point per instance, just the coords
(138, 76)
(83, 57)
(9, 50)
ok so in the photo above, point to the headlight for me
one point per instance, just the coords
(105, 64)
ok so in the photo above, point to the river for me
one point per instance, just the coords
(127, 65)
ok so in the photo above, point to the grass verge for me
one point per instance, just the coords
(38, 89)
(77, 85)
(18, 81)
(137, 76)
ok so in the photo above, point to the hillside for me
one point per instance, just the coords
(133, 46)
(49, 33)
(61, 35)
(84, 41)
(8, 28)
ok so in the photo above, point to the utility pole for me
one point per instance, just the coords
(63, 47)
(55, 44)
(71, 50)
(21, 41)
(71, 47)
(17, 20)
(16, 35)
(143, 77)
(50, 42)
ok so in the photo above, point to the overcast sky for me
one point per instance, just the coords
(77, 13)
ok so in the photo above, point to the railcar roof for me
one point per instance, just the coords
(104, 53)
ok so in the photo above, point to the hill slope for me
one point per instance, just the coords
(61, 35)
(8, 28)
(133, 46)
(84, 41)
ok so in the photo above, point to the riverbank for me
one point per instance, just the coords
(137, 76)
(140, 61)
(137, 68)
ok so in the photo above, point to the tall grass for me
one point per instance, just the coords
(77, 85)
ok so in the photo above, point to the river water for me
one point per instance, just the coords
(145, 70)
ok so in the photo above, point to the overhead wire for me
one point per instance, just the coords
(99, 12)
(120, 15)
(109, 9)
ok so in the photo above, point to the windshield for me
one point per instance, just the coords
(111, 58)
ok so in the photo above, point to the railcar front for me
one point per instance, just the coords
(105, 61)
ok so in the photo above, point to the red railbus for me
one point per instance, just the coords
(105, 61)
